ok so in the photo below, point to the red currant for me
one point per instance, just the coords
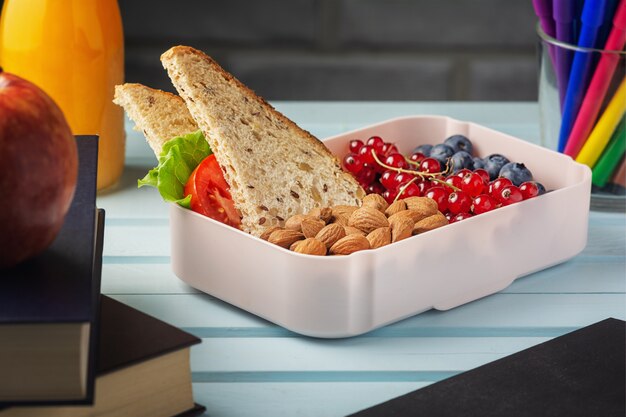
(424, 186)
(352, 163)
(410, 190)
(472, 184)
(389, 195)
(355, 145)
(454, 181)
(375, 188)
(440, 195)
(449, 216)
(529, 189)
(388, 179)
(483, 174)
(396, 160)
(366, 176)
(365, 154)
(461, 216)
(430, 165)
(459, 202)
(417, 157)
(483, 203)
(463, 172)
(402, 178)
(389, 148)
(497, 185)
(377, 143)
(510, 194)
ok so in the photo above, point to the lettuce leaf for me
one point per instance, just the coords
(179, 157)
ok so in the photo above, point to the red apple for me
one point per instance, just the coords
(38, 169)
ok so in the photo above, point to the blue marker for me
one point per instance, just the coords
(564, 14)
(592, 18)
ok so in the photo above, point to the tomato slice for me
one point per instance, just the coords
(210, 194)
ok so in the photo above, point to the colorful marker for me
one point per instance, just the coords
(611, 157)
(599, 84)
(592, 18)
(605, 127)
(564, 13)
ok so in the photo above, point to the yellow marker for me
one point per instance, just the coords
(602, 132)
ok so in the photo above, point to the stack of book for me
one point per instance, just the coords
(66, 350)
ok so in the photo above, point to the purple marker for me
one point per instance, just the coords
(543, 10)
(564, 13)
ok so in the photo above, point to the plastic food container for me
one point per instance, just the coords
(343, 296)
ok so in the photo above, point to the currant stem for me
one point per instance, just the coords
(418, 173)
(402, 188)
(406, 171)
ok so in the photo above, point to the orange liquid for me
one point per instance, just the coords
(74, 51)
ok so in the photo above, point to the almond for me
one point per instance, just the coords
(426, 206)
(352, 230)
(324, 213)
(343, 210)
(401, 227)
(395, 207)
(430, 223)
(311, 226)
(375, 201)
(309, 246)
(340, 219)
(285, 238)
(379, 237)
(350, 244)
(367, 219)
(295, 222)
(414, 215)
(266, 234)
(330, 234)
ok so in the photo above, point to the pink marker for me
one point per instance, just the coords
(599, 84)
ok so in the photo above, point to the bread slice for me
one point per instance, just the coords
(161, 116)
(274, 168)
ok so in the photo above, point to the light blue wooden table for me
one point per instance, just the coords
(246, 366)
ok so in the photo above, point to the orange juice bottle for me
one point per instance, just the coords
(74, 51)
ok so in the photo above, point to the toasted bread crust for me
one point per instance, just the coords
(160, 115)
(250, 138)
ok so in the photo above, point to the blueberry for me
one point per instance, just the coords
(441, 153)
(493, 164)
(516, 172)
(461, 160)
(478, 163)
(423, 149)
(542, 189)
(459, 143)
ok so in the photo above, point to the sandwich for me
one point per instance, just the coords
(259, 167)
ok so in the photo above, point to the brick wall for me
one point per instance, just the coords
(346, 49)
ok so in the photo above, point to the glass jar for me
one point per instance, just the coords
(74, 51)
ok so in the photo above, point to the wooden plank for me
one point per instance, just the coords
(518, 315)
(295, 399)
(288, 358)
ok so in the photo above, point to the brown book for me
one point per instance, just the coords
(143, 369)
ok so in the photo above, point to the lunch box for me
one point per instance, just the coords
(341, 296)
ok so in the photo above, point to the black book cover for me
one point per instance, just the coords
(581, 373)
(126, 337)
(62, 285)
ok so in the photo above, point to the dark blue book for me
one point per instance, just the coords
(49, 305)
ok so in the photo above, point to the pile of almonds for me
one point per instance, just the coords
(342, 230)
